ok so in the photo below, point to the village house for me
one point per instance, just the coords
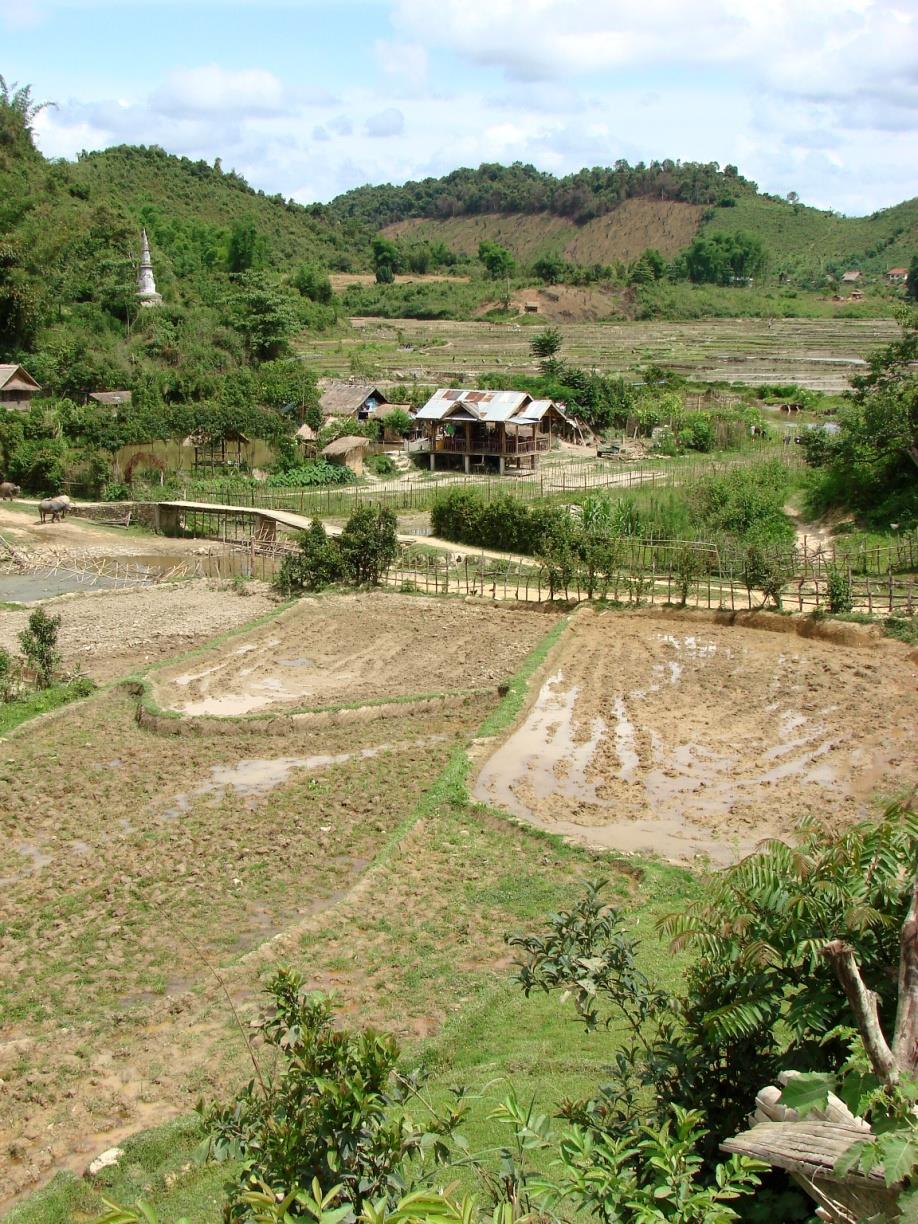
(509, 429)
(897, 276)
(851, 277)
(16, 388)
(348, 451)
(111, 399)
(357, 400)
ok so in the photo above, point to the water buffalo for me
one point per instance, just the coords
(9, 491)
(56, 507)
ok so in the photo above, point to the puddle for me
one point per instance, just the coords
(543, 750)
(660, 776)
(254, 779)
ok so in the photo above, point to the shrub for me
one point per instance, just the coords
(318, 472)
(38, 642)
(317, 564)
(9, 676)
(331, 1111)
(840, 599)
(369, 544)
(381, 465)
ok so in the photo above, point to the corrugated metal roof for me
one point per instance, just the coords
(485, 405)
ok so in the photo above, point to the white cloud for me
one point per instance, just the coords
(818, 96)
(389, 122)
(211, 90)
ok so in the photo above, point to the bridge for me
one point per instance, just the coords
(167, 518)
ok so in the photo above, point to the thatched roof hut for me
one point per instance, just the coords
(17, 386)
(356, 400)
(348, 451)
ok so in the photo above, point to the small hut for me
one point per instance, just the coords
(213, 452)
(17, 386)
(348, 451)
(111, 399)
(306, 437)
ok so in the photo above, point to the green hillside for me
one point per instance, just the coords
(609, 216)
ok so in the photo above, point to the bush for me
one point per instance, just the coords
(381, 465)
(369, 544)
(316, 565)
(332, 1110)
(840, 599)
(38, 642)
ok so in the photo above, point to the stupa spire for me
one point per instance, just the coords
(146, 285)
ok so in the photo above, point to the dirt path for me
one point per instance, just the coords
(680, 737)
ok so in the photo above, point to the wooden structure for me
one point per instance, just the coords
(346, 399)
(509, 426)
(306, 437)
(111, 399)
(222, 451)
(808, 1149)
(17, 387)
(348, 451)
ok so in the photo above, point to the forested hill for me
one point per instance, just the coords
(609, 214)
(519, 188)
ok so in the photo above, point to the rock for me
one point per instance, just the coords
(104, 1161)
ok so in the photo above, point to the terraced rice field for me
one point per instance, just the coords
(816, 353)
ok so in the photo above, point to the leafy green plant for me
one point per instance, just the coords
(329, 1116)
(39, 646)
(316, 564)
(9, 676)
(839, 590)
(369, 544)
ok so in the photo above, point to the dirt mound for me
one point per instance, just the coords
(653, 735)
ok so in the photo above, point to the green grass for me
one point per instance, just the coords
(13, 713)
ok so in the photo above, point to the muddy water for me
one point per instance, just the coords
(685, 745)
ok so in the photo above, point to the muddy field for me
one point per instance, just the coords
(369, 647)
(135, 866)
(685, 738)
(107, 634)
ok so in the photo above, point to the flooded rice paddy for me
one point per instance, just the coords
(648, 738)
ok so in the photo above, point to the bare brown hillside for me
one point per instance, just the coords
(620, 235)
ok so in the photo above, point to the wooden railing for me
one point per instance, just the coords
(510, 446)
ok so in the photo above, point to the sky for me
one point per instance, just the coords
(310, 98)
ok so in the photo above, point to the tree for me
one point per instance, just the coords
(871, 464)
(39, 645)
(17, 114)
(317, 564)
(387, 259)
(247, 248)
(313, 282)
(263, 313)
(724, 259)
(546, 344)
(911, 281)
(497, 260)
(369, 544)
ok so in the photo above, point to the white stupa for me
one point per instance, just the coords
(146, 285)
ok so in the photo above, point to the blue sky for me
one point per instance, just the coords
(308, 99)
